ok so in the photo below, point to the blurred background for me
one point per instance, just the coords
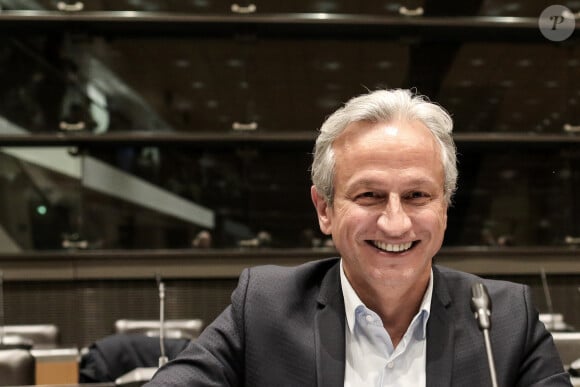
(143, 138)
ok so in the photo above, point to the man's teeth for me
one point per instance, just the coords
(393, 248)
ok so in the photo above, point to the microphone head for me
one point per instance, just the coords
(481, 305)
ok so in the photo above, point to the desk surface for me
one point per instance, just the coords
(575, 383)
(109, 384)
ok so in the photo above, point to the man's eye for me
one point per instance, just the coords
(367, 197)
(418, 195)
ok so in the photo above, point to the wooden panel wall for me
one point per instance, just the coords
(85, 310)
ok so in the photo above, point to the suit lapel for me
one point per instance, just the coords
(329, 331)
(440, 346)
(330, 326)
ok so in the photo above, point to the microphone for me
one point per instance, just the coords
(141, 375)
(481, 307)
(547, 292)
(551, 320)
(162, 359)
(2, 322)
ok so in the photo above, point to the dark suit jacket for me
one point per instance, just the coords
(286, 327)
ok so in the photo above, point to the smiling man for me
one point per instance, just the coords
(382, 314)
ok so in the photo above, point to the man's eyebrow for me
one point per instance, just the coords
(370, 182)
(364, 182)
(422, 181)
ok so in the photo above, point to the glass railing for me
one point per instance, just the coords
(170, 137)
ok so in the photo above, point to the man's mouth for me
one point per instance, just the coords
(393, 247)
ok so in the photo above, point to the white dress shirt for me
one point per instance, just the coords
(371, 360)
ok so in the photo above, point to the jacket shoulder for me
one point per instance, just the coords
(463, 279)
(311, 272)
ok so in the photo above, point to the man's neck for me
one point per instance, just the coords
(397, 306)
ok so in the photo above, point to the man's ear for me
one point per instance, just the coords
(323, 210)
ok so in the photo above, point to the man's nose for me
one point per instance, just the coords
(394, 220)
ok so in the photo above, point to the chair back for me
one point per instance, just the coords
(568, 345)
(17, 367)
(38, 335)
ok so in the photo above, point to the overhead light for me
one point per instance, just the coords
(235, 62)
(384, 64)
(477, 62)
(41, 210)
(197, 85)
(332, 65)
(182, 63)
(201, 3)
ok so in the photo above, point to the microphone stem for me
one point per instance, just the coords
(490, 360)
(2, 322)
(163, 357)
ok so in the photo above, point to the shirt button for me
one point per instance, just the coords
(369, 318)
(390, 365)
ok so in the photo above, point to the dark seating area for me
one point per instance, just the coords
(114, 356)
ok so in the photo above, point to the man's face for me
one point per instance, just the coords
(389, 212)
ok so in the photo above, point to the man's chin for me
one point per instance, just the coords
(399, 275)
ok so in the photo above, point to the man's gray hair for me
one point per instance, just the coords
(388, 106)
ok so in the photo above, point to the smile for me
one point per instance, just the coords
(392, 247)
